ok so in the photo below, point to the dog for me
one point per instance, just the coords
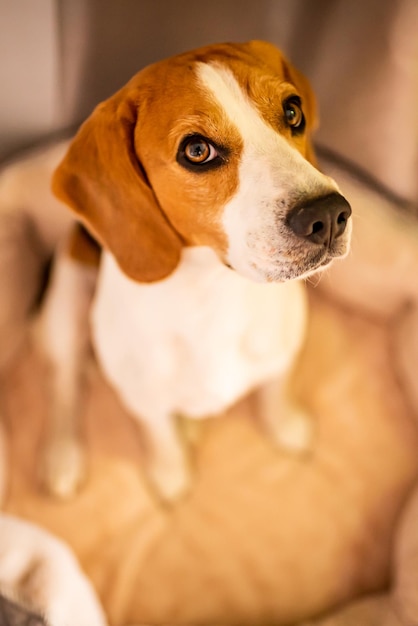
(40, 575)
(198, 181)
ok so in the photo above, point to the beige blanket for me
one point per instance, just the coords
(263, 537)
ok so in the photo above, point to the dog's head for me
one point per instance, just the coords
(212, 147)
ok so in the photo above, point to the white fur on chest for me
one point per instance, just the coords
(197, 341)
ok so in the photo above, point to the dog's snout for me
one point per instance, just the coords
(321, 220)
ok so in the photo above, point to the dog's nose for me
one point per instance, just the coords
(321, 220)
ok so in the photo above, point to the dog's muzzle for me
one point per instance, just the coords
(320, 221)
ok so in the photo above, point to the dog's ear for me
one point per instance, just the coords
(102, 180)
(274, 58)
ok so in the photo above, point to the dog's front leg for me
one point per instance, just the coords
(287, 423)
(64, 338)
(168, 464)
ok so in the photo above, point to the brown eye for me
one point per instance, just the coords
(199, 151)
(198, 154)
(294, 115)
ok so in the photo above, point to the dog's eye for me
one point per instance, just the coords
(198, 154)
(199, 151)
(294, 114)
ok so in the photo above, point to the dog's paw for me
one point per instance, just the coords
(171, 477)
(293, 430)
(41, 573)
(63, 467)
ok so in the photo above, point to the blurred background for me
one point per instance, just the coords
(60, 57)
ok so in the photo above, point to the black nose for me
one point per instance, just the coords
(321, 220)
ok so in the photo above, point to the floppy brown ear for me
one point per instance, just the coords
(102, 180)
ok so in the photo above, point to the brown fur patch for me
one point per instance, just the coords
(82, 247)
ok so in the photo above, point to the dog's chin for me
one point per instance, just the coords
(314, 270)
(280, 272)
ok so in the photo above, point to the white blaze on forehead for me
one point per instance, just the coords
(283, 160)
(236, 104)
(242, 113)
(271, 172)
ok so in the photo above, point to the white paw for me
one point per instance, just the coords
(170, 476)
(63, 467)
(41, 572)
(293, 430)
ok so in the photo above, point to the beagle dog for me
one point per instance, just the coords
(198, 180)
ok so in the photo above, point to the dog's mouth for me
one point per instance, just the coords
(315, 265)
(317, 260)
(316, 232)
(297, 263)
(286, 256)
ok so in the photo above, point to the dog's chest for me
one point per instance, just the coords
(196, 341)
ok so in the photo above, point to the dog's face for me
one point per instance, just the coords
(208, 148)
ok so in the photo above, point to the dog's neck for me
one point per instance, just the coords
(197, 340)
(199, 271)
